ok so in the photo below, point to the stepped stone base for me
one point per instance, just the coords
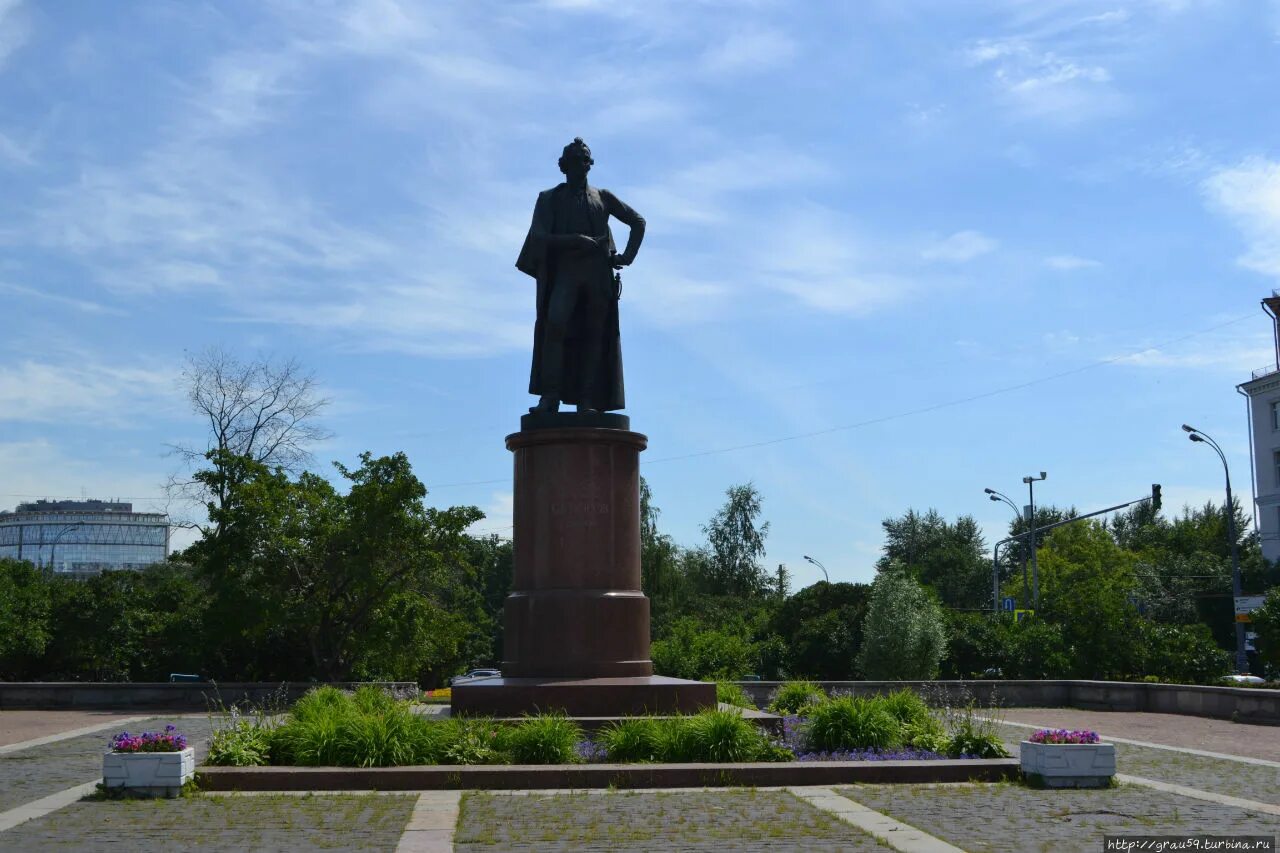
(582, 697)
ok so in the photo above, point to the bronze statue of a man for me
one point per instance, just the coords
(577, 350)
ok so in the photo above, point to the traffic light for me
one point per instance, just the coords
(1155, 496)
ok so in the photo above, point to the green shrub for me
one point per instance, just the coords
(374, 700)
(729, 693)
(796, 697)
(906, 706)
(321, 701)
(724, 736)
(973, 736)
(926, 734)
(676, 740)
(245, 744)
(378, 738)
(544, 739)
(475, 741)
(636, 739)
(849, 723)
(311, 742)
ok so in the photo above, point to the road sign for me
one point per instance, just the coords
(1008, 604)
(1019, 615)
(1246, 604)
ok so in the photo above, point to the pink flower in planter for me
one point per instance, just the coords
(1064, 736)
(167, 741)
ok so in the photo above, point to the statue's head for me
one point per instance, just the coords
(576, 160)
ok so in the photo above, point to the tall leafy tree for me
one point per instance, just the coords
(735, 537)
(904, 638)
(947, 557)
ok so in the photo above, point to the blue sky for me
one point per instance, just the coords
(897, 251)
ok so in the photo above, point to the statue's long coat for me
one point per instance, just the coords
(549, 214)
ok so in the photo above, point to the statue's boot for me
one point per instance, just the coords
(546, 403)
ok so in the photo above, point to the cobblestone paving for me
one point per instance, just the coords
(1221, 776)
(259, 823)
(30, 774)
(1254, 741)
(1012, 817)
(733, 819)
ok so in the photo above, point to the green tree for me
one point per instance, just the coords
(1266, 622)
(301, 572)
(821, 629)
(25, 629)
(661, 575)
(736, 540)
(696, 650)
(1087, 583)
(904, 638)
(946, 557)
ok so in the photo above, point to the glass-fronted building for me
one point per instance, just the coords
(81, 538)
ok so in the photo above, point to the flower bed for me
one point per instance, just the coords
(331, 728)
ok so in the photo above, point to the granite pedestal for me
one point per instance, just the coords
(576, 629)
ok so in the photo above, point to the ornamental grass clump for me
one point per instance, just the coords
(849, 723)
(728, 693)
(796, 698)
(638, 739)
(724, 736)
(1064, 736)
(168, 740)
(544, 739)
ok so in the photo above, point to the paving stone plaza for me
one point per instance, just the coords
(1168, 787)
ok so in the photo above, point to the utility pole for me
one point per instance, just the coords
(1031, 524)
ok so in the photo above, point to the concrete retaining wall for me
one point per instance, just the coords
(182, 696)
(1243, 704)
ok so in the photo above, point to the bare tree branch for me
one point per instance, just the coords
(263, 409)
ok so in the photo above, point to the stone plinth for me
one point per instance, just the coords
(576, 629)
(582, 697)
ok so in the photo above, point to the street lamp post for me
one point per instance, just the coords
(1242, 658)
(995, 578)
(819, 565)
(1031, 523)
(53, 549)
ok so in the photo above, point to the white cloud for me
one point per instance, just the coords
(1040, 82)
(748, 50)
(499, 513)
(15, 28)
(1070, 262)
(960, 247)
(86, 389)
(1249, 195)
(1227, 357)
(817, 258)
(79, 304)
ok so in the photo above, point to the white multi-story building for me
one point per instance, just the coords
(83, 538)
(1263, 391)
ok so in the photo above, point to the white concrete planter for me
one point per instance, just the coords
(1070, 765)
(149, 773)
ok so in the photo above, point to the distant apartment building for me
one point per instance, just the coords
(82, 538)
(1263, 391)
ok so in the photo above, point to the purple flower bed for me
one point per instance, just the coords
(167, 741)
(1064, 736)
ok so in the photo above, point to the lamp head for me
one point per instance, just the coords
(1196, 437)
(992, 497)
(988, 491)
(1186, 428)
